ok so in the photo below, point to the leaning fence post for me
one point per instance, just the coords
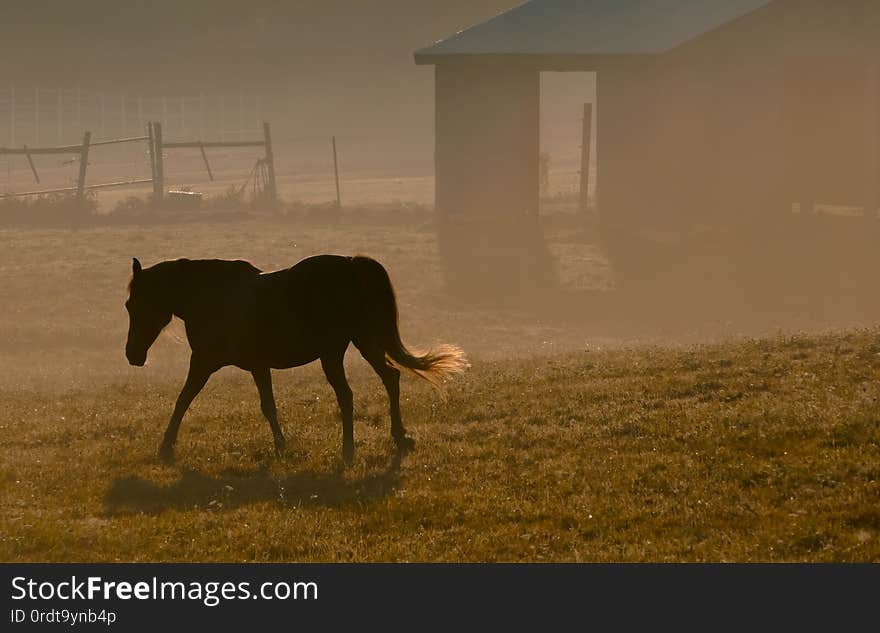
(270, 163)
(83, 165)
(207, 164)
(31, 163)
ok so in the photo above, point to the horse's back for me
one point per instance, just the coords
(282, 318)
(318, 287)
(297, 312)
(322, 267)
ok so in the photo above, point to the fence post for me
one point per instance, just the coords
(222, 117)
(83, 166)
(12, 116)
(59, 117)
(586, 148)
(270, 164)
(336, 175)
(241, 134)
(37, 116)
(159, 176)
(201, 116)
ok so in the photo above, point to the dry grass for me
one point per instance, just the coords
(555, 446)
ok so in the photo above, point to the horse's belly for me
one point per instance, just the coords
(282, 348)
(268, 330)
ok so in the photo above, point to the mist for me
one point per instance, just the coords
(642, 236)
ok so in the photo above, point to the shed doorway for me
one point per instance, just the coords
(563, 95)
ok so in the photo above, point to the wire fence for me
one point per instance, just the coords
(373, 167)
(42, 115)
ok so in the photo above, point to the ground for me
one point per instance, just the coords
(568, 439)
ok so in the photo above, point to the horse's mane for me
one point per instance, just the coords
(218, 267)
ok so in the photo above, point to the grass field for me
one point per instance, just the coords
(565, 441)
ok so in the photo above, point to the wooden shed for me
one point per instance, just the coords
(707, 110)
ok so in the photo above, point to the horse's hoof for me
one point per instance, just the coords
(166, 455)
(405, 444)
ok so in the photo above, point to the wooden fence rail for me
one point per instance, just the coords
(82, 151)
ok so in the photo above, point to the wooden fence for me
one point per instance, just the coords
(156, 147)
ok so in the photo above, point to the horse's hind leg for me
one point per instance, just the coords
(263, 380)
(196, 378)
(390, 376)
(334, 370)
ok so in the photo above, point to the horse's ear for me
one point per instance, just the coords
(135, 267)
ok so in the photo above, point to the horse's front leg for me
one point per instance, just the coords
(198, 375)
(263, 380)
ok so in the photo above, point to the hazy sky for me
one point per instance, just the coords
(321, 67)
(224, 40)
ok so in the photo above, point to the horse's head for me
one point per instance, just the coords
(148, 314)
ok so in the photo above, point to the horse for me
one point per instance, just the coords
(237, 315)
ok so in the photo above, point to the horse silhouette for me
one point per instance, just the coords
(235, 314)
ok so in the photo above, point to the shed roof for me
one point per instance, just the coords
(591, 27)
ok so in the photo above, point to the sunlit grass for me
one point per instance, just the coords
(764, 450)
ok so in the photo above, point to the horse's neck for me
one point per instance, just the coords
(180, 281)
(188, 283)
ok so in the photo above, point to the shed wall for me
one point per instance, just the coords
(487, 139)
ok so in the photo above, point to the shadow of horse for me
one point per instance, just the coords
(233, 489)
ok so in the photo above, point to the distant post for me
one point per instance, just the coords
(258, 110)
(37, 116)
(240, 114)
(586, 148)
(123, 116)
(83, 166)
(336, 175)
(159, 176)
(222, 117)
(78, 107)
(12, 115)
(270, 165)
(151, 149)
(59, 117)
(201, 116)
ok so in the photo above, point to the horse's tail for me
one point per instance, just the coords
(433, 365)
